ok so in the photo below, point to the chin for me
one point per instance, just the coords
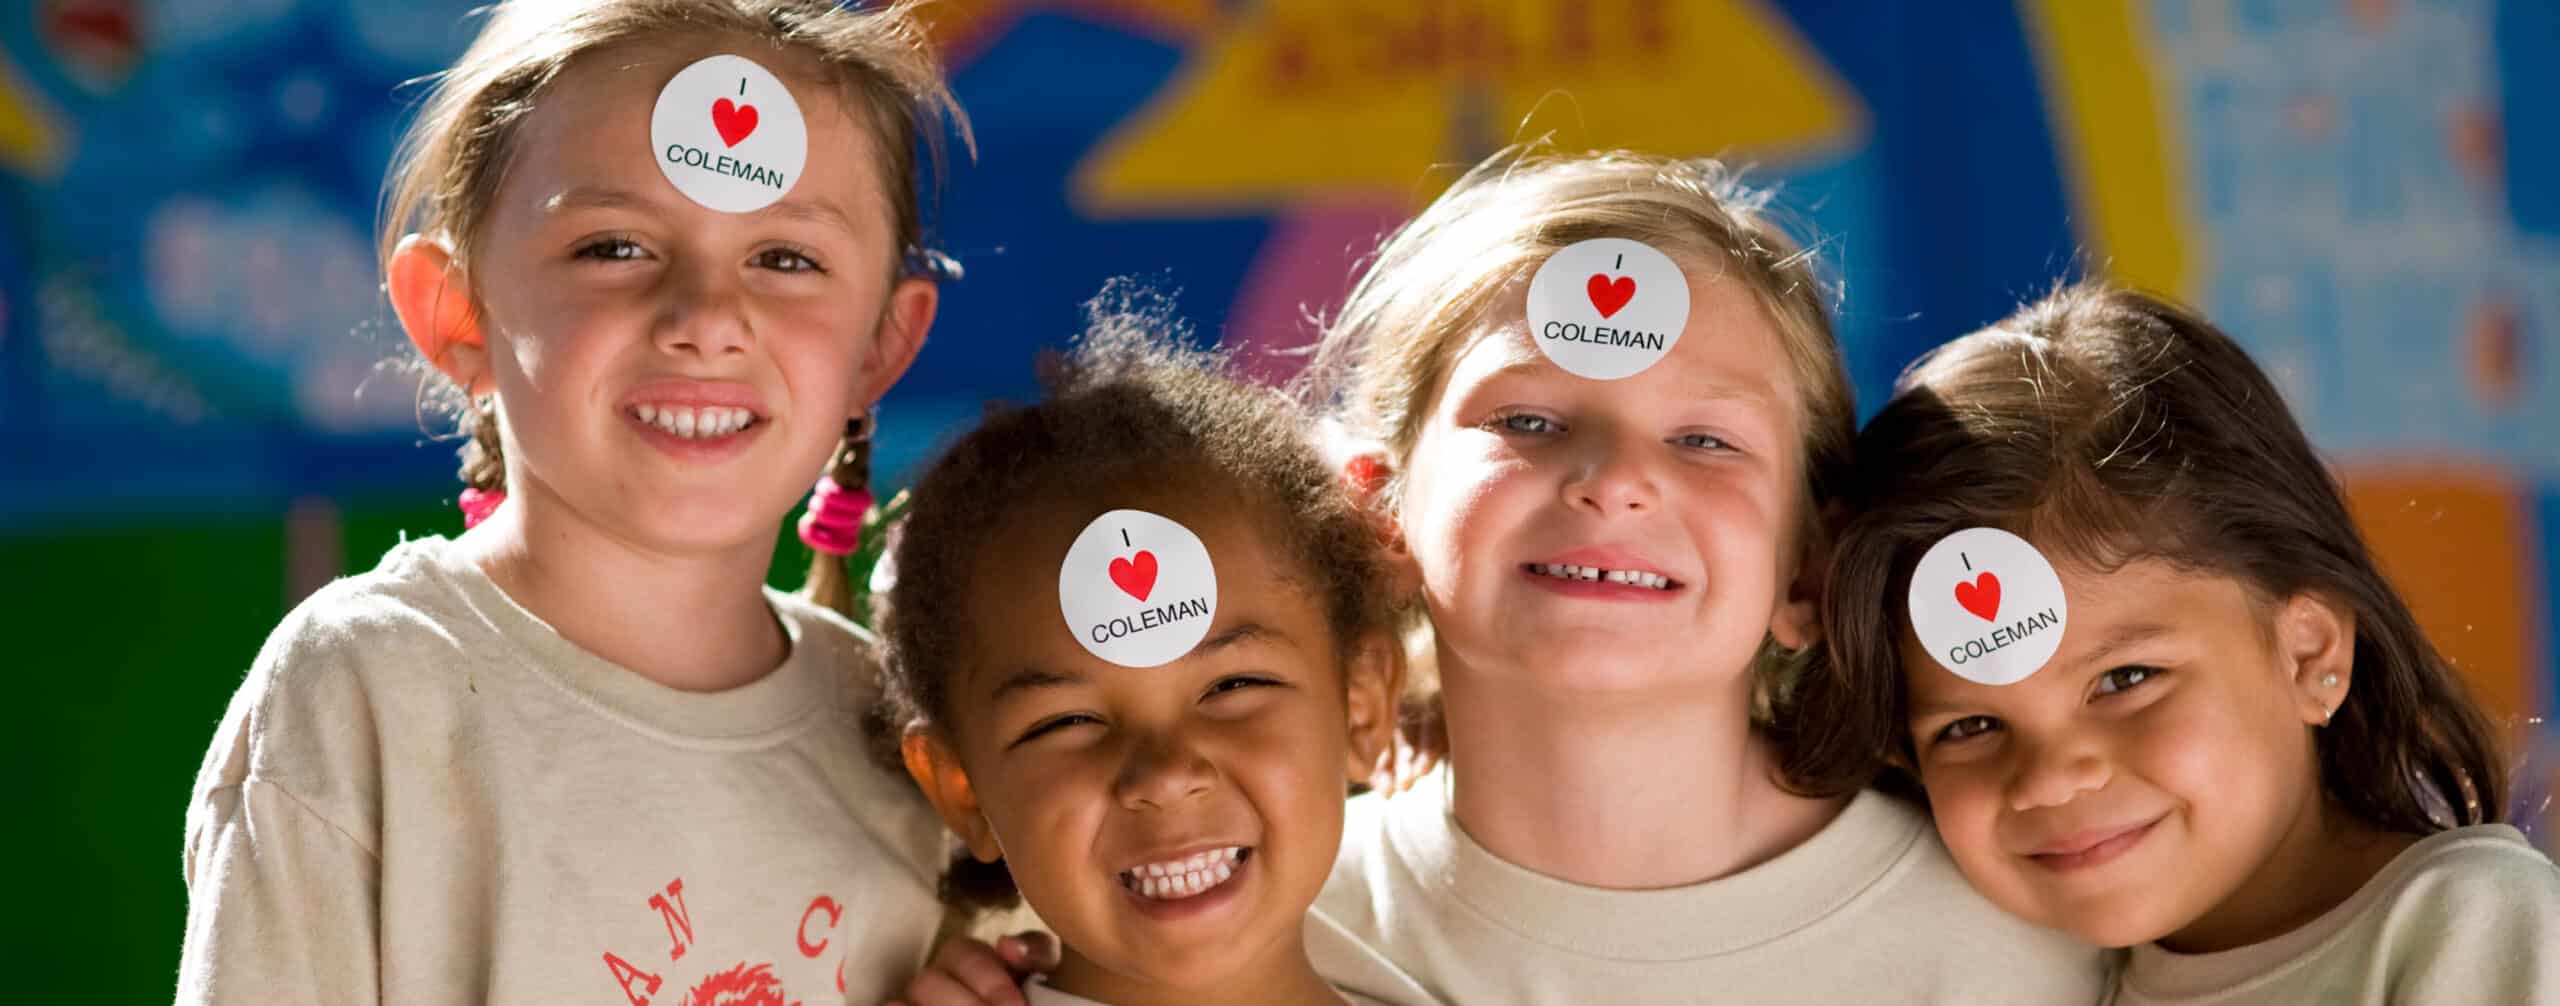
(2108, 923)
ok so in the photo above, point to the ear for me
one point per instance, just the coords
(2316, 638)
(1372, 682)
(433, 302)
(1365, 475)
(913, 301)
(1797, 622)
(937, 772)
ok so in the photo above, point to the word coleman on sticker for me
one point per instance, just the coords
(1607, 308)
(728, 135)
(1137, 589)
(1987, 606)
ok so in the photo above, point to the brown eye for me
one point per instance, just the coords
(2123, 678)
(1970, 726)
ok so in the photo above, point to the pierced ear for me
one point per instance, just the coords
(2317, 638)
(1365, 475)
(1372, 682)
(904, 320)
(433, 302)
(937, 772)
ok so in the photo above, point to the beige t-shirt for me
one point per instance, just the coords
(2470, 915)
(1038, 993)
(1868, 910)
(422, 794)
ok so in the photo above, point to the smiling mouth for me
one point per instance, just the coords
(2096, 850)
(1596, 574)
(696, 423)
(1190, 876)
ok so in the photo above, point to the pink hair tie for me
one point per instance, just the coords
(833, 523)
(478, 504)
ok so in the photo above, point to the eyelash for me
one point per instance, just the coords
(1512, 422)
(811, 265)
(1048, 726)
(603, 249)
(618, 248)
(2147, 673)
(1225, 685)
(1947, 734)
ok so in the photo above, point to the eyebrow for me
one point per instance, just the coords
(1530, 363)
(587, 197)
(2124, 636)
(1031, 679)
(1242, 632)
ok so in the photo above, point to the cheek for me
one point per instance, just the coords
(1966, 803)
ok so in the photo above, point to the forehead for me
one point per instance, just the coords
(1728, 349)
(2115, 613)
(1014, 582)
(590, 129)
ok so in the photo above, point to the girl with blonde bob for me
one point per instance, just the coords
(580, 753)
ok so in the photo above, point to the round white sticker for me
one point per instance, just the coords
(1137, 589)
(1987, 606)
(1607, 308)
(727, 133)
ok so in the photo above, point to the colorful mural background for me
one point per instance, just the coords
(203, 425)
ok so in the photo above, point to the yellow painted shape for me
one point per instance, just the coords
(2122, 159)
(967, 22)
(1293, 101)
(2453, 539)
(31, 143)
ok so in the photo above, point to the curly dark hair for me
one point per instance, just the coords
(1132, 405)
(2114, 426)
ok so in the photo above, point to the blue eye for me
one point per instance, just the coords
(1525, 422)
(1703, 441)
(2123, 678)
(787, 260)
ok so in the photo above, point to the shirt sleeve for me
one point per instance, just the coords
(281, 904)
(2486, 934)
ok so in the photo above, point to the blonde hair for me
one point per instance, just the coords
(1458, 266)
(455, 155)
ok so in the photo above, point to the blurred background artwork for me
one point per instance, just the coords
(202, 425)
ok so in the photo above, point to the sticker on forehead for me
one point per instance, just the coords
(1607, 308)
(1137, 589)
(1987, 606)
(727, 133)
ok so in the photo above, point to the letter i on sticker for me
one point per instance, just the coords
(1137, 589)
(1987, 606)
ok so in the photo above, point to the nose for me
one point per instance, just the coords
(707, 316)
(2054, 773)
(1163, 772)
(1611, 478)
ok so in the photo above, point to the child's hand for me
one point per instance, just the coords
(965, 972)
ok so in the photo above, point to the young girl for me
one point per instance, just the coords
(2231, 749)
(579, 753)
(1604, 404)
(1155, 751)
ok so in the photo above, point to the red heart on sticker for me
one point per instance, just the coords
(734, 122)
(1982, 596)
(1137, 579)
(1610, 295)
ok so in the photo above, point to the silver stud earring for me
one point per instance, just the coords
(2328, 681)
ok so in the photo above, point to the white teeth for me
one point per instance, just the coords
(1568, 571)
(695, 423)
(1184, 877)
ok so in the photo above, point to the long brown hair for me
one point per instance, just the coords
(2113, 426)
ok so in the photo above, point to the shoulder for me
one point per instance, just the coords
(2484, 876)
(825, 635)
(1927, 893)
(2472, 913)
